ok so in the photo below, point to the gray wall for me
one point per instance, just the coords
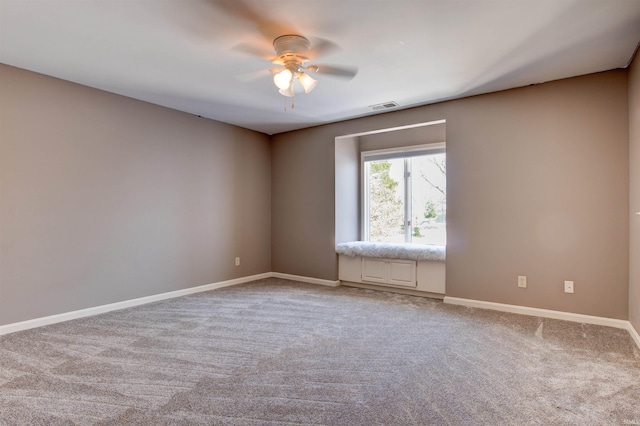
(347, 189)
(406, 137)
(634, 193)
(537, 186)
(104, 198)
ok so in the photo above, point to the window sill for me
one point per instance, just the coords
(392, 251)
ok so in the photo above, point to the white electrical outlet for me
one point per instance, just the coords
(237, 261)
(522, 281)
(568, 286)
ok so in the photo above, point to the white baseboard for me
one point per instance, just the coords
(546, 313)
(523, 310)
(537, 312)
(309, 280)
(634, 334)
(52, 319)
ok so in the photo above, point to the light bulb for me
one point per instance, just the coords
(282, 80)
(307, 82)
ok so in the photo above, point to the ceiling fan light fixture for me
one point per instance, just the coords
(288, 92)
(307, 82)
(283, 79)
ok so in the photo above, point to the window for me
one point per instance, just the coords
(405, 195)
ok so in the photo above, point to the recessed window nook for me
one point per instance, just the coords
(394, 261)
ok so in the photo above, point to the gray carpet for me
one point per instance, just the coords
(277, 352)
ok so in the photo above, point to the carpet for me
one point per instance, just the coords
(277, 352)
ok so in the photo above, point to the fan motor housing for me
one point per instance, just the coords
(290, 48)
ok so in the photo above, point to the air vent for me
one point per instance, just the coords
(386, 105)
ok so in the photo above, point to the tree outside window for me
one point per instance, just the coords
(405, 196)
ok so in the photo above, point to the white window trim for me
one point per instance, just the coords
(388, 153)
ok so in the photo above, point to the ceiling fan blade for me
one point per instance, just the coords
(341, 72)
(322, 47)
(254, 51)
(254, 75)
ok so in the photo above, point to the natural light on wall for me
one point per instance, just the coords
(405, 195)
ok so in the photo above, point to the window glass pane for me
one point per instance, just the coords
(386, 200)
(428, 199)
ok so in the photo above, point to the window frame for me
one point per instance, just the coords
(404, 152)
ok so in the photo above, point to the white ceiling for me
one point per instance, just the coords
(188, 54)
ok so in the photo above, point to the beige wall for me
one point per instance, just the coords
(347, 189)
(105, 198)
(421, 135)
(634, 193)
(537, 186)
(302, 185)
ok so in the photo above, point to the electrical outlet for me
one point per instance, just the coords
(522, 281)
(568, 286)
(237, 261)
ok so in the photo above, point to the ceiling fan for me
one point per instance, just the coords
(293, 54)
